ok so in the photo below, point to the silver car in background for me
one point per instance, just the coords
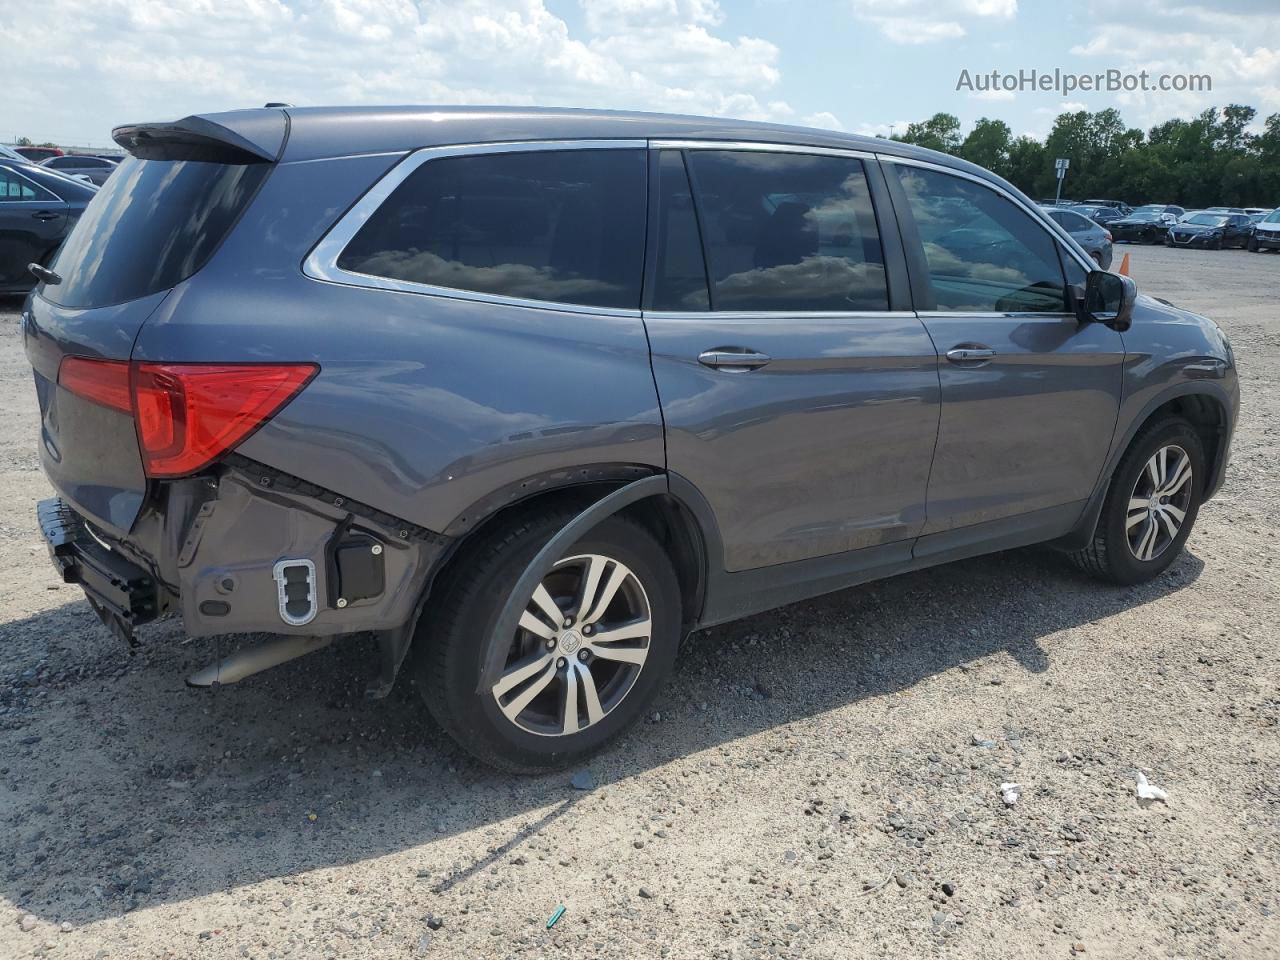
(1095, 239)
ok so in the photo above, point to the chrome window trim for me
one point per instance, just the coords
(759, 146)
(996, 315)
(322, 263)
(774, 315)
(1039, 216)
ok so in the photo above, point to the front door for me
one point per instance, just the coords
(801, 405)
(1029, 394)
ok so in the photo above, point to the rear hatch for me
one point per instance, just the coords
(157, 221)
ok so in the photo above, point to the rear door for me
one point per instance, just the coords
(32, 220)
(799, 391)
(1029, 394)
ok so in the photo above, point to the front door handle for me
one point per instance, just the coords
(733, 359)
(45, 215)
(970, 353)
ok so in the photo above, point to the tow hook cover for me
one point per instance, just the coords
(296, 590)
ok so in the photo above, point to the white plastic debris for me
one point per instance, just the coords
(1147, 791)
(1010, 792)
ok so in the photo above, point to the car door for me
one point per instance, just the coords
(799, 391)
(32, 221)
(1029, 394)
(1237, 231)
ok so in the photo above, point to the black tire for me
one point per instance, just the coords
(1252, 244)
(456, 629)
(1110, 557)
(1097, 258)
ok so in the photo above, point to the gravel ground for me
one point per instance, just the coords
(819, 782)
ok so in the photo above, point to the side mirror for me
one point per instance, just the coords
(1106, 298)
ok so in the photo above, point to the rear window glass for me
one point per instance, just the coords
(154, 224)
(788, 231)
(563, 226)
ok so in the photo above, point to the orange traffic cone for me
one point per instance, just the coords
(1124, 266)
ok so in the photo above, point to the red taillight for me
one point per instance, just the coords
(105, 382)
(1108, 235)
(187, 414)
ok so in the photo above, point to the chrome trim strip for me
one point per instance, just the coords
(778, 315)
(344, 156)
(997, 315)
(1038, 215)
(322, 263)
(758, 145)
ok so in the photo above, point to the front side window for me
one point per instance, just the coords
(788, 232)
(564, 226)
(983, 254)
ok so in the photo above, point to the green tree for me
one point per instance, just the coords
(939, 132)
(988, 145)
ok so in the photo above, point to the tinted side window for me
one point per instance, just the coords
(1075, 223)
(788, 231)
(565, 226)
(13, 187)
(983, 253)
(680, 274)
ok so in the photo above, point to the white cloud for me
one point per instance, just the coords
(823, 120)
(927, 21)
(161, 59)
(1236, 43)
(994, 95)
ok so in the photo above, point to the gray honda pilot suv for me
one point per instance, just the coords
(528, 395)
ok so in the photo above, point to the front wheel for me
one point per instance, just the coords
(596, 641)
(1151, 505)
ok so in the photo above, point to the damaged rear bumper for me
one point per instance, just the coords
(253, 550)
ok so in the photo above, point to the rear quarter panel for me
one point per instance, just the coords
(424, 405)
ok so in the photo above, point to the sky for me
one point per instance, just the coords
(73, 69)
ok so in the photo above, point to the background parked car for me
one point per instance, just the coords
(1212, 230)
(38, 208)
(38, 154)
(8, 153)
(1224, 209)
(96, 169)
(1114, 204)
(1095, 239)
(1256, 214)
(1266, 233)
(1146, 224)
(1100, 215)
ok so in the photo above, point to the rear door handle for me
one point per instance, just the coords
(970, 353)
(45, 215)
(733, 359)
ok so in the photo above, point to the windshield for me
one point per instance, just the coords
(1144, 215)
(1272, 217)
(1208, 219)
(152, 225)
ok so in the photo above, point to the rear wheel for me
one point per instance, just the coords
(596, 641)
(1253, 244)
(1151, 505)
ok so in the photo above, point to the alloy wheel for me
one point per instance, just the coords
(582, 641)
(1159, 502)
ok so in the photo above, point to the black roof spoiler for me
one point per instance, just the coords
(239, 136)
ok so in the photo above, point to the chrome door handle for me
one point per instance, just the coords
(732, 359)
(45, 215)
(970, 353)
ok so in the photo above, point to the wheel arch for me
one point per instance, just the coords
(1205, 405)
(675, 512)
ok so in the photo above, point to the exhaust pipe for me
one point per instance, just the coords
(246, 662)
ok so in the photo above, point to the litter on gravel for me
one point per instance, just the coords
(1148, 791)
(1010, 793)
